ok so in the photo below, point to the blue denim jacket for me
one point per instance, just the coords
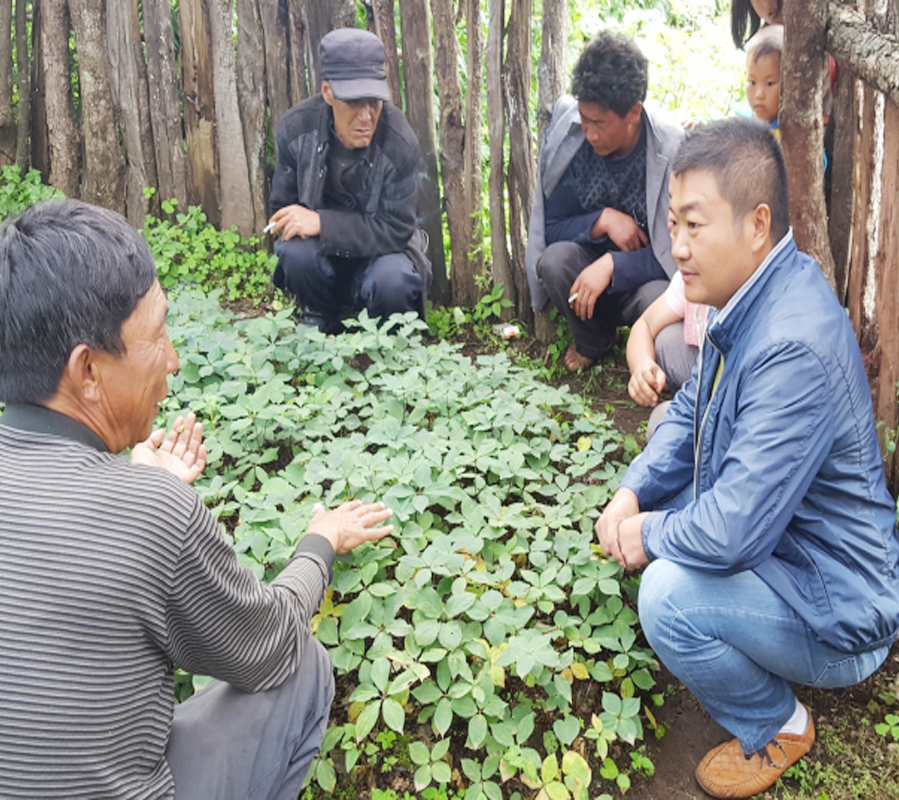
(784, 458)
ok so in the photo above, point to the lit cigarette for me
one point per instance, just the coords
(572, 298)
(268, 228)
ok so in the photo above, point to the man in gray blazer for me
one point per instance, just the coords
(598, 245)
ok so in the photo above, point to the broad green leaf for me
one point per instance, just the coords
(394, 715)
(366, 720)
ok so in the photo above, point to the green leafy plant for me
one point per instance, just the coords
(189, 250)
(18, 190)
(889, 726)
(490, 601)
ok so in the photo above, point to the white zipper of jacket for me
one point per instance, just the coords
(705, 416)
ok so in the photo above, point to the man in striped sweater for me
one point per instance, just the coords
(112, 573)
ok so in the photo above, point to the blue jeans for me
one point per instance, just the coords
(735, 645)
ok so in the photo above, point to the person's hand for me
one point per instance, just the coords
(181, 452)
(622, 506)
(621, 228)
(350, 524)
(293, 221)
(647, 383)
(630, 542)
(590, 284)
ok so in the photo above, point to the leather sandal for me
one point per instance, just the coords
(727, 772)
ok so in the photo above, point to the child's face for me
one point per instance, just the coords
(763, 86)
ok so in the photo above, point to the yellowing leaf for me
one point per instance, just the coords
(584, 443)
(580, 671)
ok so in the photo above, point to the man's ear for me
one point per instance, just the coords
(80, 376)
(760, 218)
(633, 116)
(327, 94)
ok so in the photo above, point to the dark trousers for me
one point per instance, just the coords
(558, 268)
(231, 745)
(326, 285)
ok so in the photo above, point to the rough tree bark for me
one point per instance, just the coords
(63, 140)
(802, 132)
(841, 200)
(474, 116)
(419, 73)
(234, 180)
(552, 71)
(274, 19)
(452, 153)
(322, 16)
(23, 68)
(552, 78)
(871, 55)
(129, 92)
(521, 151)
(301, 85)
(887, 293)
(165, 111)
(496, 125)
(40, 144)
(199, 107)
(8, 128)
(384, 16)
(251, 89)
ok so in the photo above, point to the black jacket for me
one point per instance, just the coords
(388, 221)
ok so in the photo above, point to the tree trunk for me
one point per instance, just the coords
(165, 110)
(129, 91)
(8, 128)
(496, 125)
(274, 19)
(322, 16)
(473, 135)
(802, 132)
(234, 180)
(887, 294)
(872, 56)
(251, 87)
(23, 68)
(552, 72)
(40, 143)
(841, 200)
(300, 68)
(521, 151)
(199, 107)
(452, 144)
(864, 190)
(419, 73)
(62, 136)
(384, 16)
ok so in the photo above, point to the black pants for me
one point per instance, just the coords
(325, 285)
(559, 267)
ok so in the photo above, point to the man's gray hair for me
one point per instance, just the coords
(70, 274)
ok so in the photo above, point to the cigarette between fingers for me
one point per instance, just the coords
(573, 298)
(268, 228)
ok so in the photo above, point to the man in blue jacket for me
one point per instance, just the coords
(771, 538)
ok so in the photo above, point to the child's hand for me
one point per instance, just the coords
(647, 383)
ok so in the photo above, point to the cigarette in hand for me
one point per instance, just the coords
(572, 298)
(268, 228)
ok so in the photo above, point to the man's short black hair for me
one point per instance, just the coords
(70, 274)
(747, 163)
(611, 72)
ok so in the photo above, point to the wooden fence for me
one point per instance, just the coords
(109, 99)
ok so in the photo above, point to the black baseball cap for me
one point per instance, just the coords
(353, 64)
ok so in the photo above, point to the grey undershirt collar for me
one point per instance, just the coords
(38, 419)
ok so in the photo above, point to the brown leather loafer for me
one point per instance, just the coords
(726, 772)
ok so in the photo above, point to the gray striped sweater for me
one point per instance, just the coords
(110, 575)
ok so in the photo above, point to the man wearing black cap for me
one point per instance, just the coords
(344, 192)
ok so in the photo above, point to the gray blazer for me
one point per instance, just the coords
(563, 139)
